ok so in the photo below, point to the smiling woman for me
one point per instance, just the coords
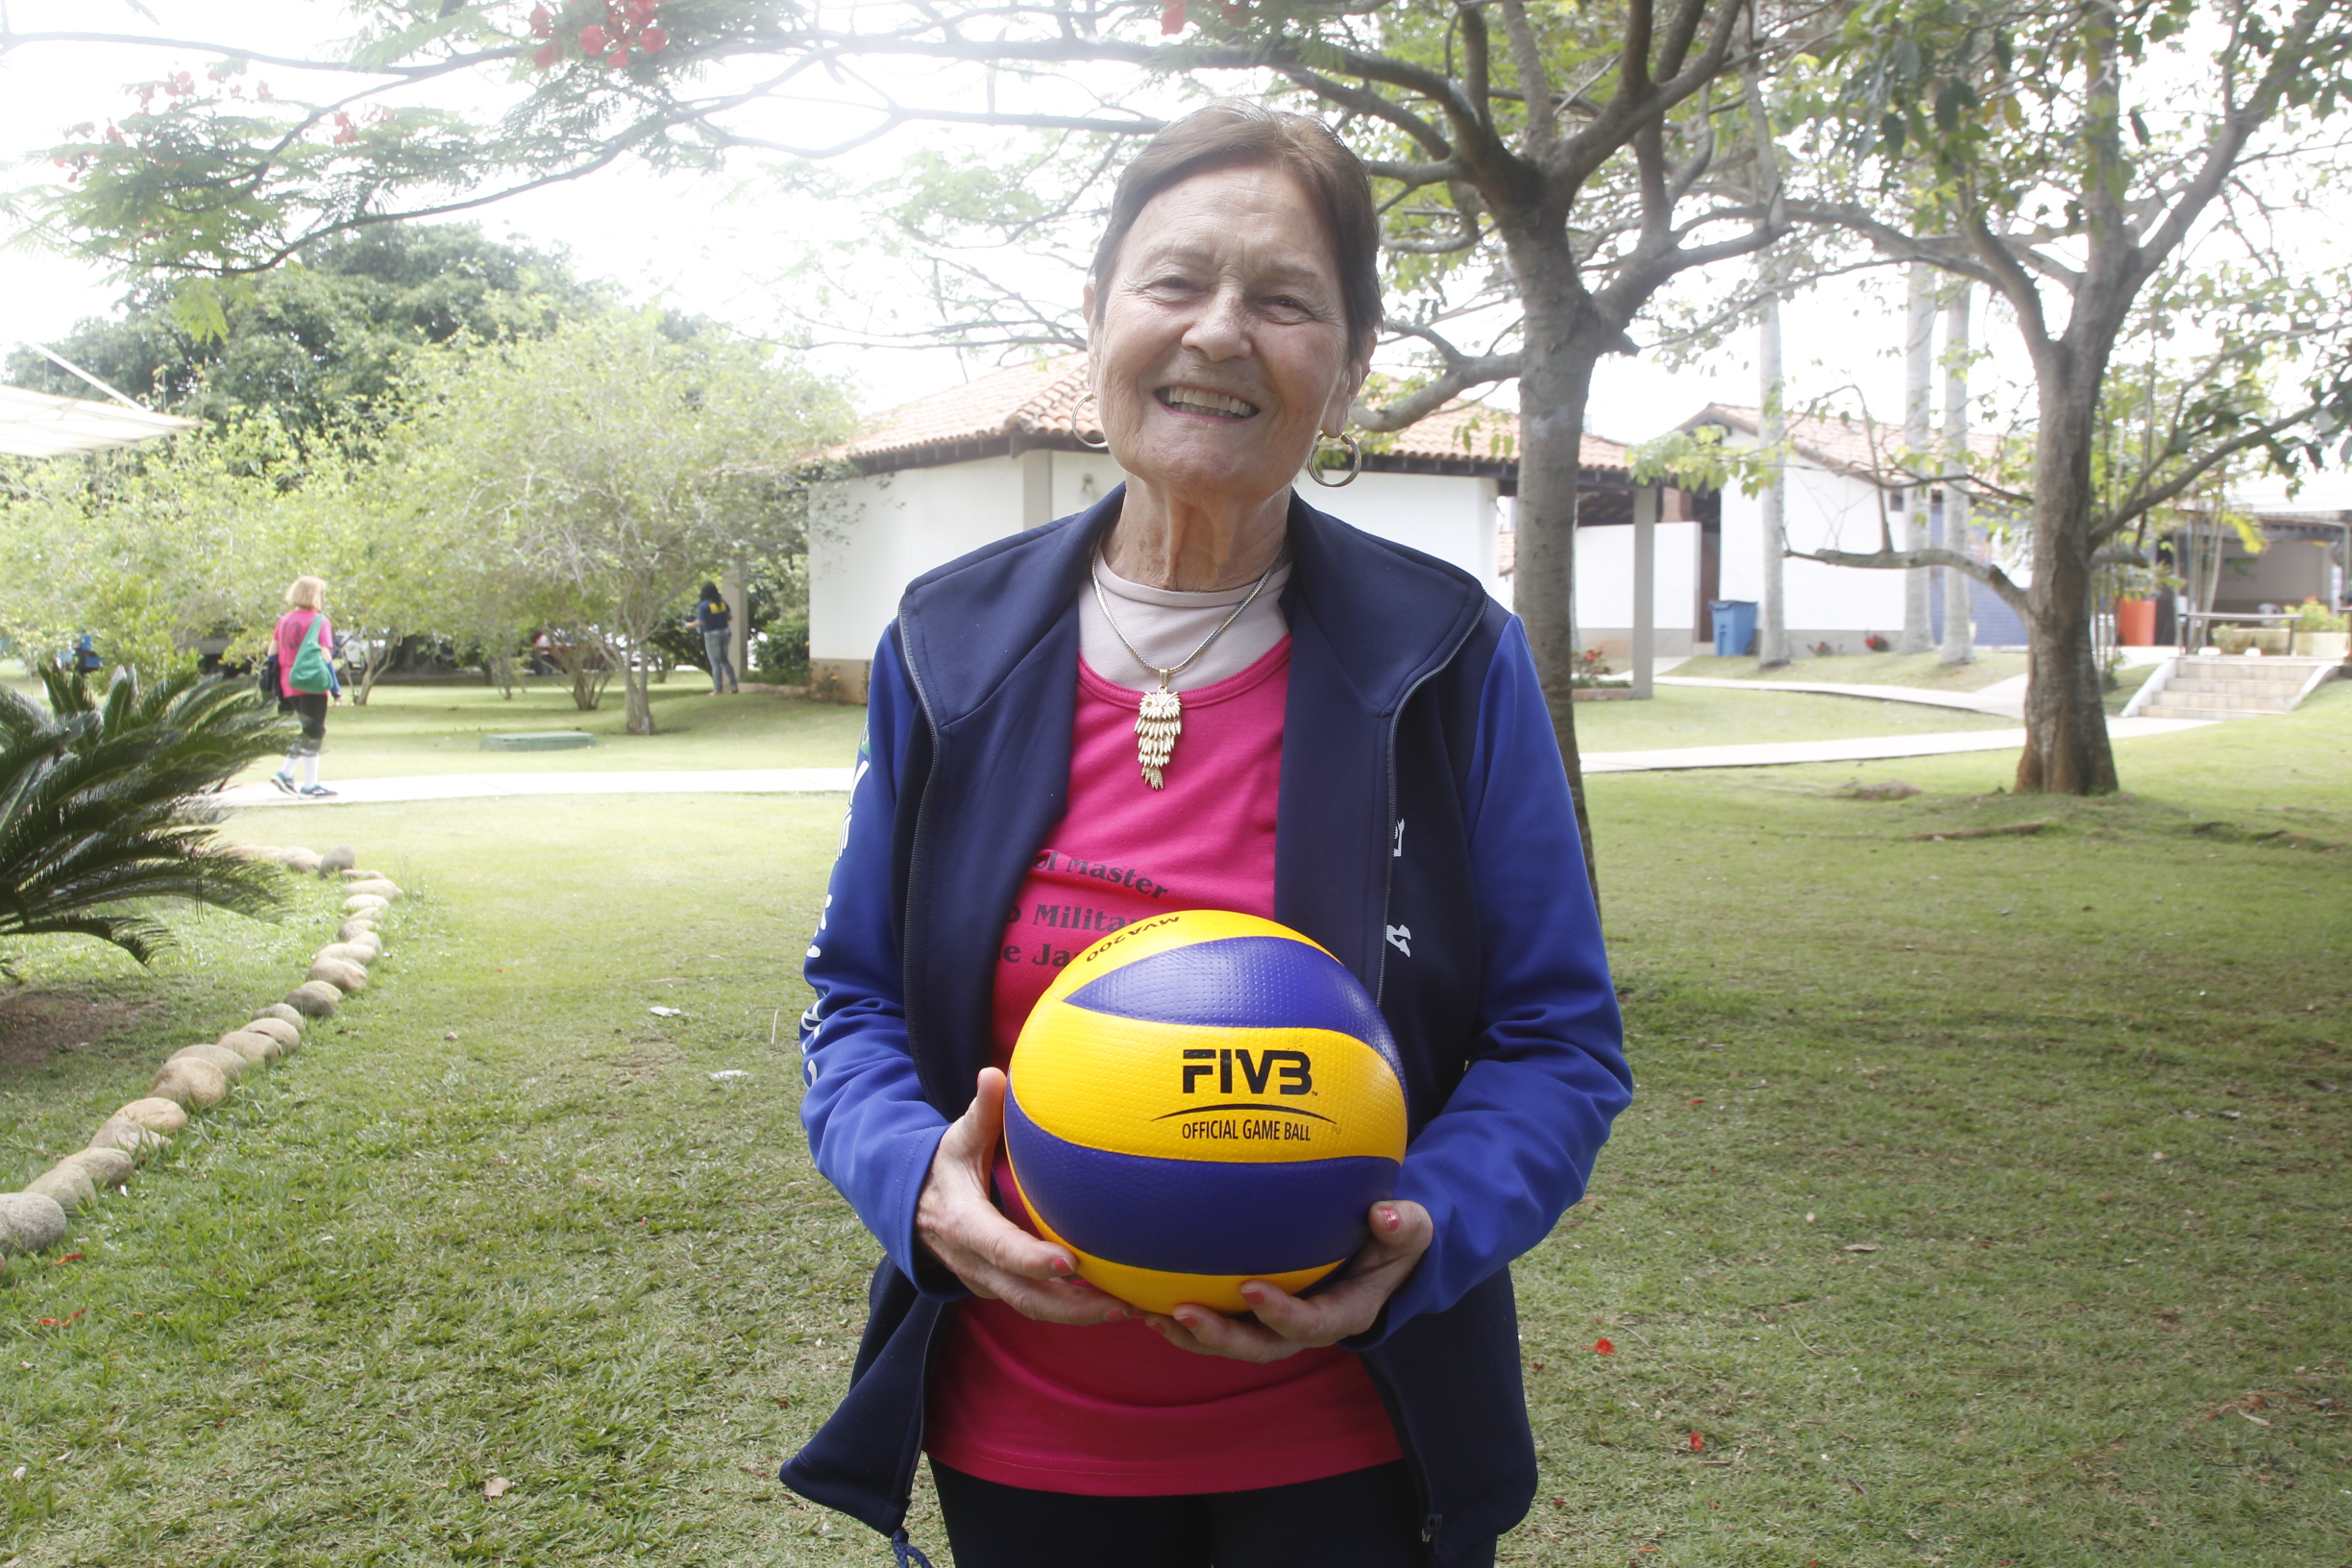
(1238, 704)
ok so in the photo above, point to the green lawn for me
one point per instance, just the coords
(1680, 716)
(1867, 669)
(438, 728)
(555, 1249)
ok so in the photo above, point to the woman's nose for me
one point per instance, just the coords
(1221, 330)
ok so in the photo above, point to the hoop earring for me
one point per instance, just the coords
(1078, 433)
(1354, 452)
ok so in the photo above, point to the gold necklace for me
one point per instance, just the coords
(1160, 718)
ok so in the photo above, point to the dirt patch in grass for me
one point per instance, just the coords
(36, 1024)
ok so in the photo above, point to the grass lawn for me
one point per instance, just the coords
(1679, 716)
(1867, 669)
(554, 1248)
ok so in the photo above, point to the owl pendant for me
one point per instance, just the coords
(1158, 723)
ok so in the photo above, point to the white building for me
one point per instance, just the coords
(999, 454)
(1840, 486)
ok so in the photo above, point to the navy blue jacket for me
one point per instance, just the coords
(1424, 835)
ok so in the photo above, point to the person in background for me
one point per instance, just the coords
(711, 615)
(306, 682)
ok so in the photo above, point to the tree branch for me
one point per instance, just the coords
(1534, 82)
(1903, 560)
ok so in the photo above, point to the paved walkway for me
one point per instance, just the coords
(362, 792)
(2003, 699)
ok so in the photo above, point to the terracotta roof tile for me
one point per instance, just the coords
(1040, 398)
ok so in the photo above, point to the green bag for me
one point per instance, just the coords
(310, 671)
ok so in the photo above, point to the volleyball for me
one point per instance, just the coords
(1200, 1099)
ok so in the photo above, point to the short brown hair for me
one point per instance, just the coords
(1234, 134)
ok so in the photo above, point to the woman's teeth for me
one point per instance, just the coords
(1192, 400)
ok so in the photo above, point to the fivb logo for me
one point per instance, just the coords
(1295, 1072)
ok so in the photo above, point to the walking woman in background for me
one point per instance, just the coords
(712, 615)
(304, 646)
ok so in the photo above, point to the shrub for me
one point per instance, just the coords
(100, 804)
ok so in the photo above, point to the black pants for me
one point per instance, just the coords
(311, 708)
(1361, 1519)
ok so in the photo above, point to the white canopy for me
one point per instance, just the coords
(41, 424)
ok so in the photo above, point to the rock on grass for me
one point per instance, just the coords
(29, 1221)
(366, 902)
(155, 1113)
(72, 1187)
(314, 999)
(107, 1168)
(191, 1082)
(380, 888)
(353, 929)
(231, 1063)
(282, 1014)
(251, 1045)
(278, 1029)
(339, 973)
(120, 1132)
(341, 858)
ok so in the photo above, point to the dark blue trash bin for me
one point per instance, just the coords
(1734, 626)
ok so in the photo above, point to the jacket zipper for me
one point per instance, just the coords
(1388, 857)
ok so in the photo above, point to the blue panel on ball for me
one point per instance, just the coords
(1243, 983)
(1195, 1217)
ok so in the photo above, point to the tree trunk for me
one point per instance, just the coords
(1772, 430)
(1919, 354)
(1959, 636)
(636, 687)
(2066, 752)
(1555, 377)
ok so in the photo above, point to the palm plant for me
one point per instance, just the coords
(102, 805)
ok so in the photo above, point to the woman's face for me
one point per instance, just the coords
(1220, 347)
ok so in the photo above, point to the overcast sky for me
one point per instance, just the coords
(718, 245)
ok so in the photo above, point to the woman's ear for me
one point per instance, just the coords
(1344, 396)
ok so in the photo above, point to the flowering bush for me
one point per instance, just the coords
(1588, 667)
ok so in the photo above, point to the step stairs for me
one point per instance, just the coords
(2229, 686)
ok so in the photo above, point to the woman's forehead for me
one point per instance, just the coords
(1260, 217)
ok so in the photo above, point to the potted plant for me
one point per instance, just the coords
(2321, 635)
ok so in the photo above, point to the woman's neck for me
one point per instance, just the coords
(1162, 541)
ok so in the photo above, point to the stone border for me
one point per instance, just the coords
(198, 1077)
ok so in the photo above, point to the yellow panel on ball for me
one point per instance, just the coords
(1204, 1098)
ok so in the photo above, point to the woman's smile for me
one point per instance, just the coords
(1199, 400)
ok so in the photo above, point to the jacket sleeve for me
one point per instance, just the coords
(1517, 1138)
(870, 1128)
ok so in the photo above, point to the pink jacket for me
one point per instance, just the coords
(293, 630)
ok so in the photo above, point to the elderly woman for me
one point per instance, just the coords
(1256, 707)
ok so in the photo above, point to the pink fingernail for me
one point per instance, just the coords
(1253, 1293)
(1391, 1219)
(1114, 1316)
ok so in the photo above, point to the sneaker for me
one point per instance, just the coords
(317, 792)
(283, 780)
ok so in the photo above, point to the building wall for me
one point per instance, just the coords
(1822, 510)
(870, 536)
(1604, 589)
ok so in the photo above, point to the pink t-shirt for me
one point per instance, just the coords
(1114, 1410)
(294, 631)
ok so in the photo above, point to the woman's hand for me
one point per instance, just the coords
(1287, 1324)
(959, 1226)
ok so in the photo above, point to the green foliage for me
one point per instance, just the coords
(322, 339)
(97, 804)
(1703, 459)
(2313, 616)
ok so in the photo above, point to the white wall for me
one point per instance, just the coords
(1824, 510)
(870, 536)
(1452, 517)
(1605, 580)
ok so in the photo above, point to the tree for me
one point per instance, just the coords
(1551, 180)
(2088, 162)
(100, 804)
(604, 471)
(322, 338)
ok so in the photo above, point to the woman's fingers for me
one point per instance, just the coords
(961, 1228)
(1287, 1324)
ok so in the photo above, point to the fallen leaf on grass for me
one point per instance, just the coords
(1603, 1347)
(70, 1258)
(1861, 1246)
(61, 1322)
(1698, 1443)
(497, 1487)
(2256, 1419)
(667, 1011)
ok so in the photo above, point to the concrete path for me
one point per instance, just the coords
(367, 791)
(370, 791)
